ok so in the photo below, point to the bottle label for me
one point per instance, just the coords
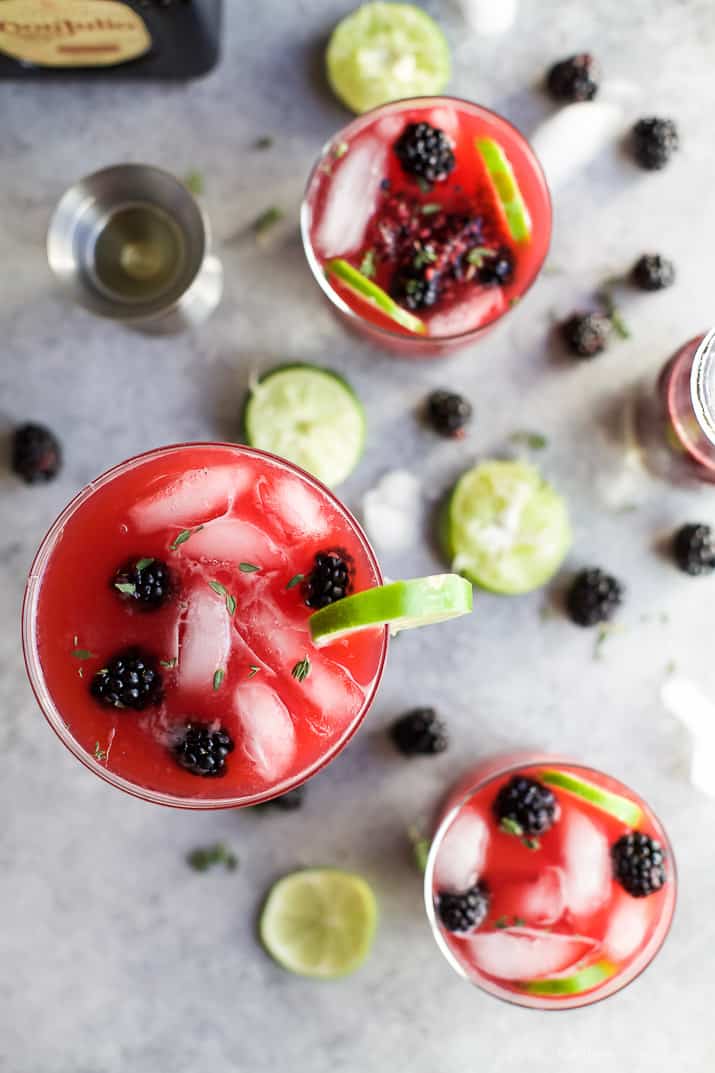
(72, 33)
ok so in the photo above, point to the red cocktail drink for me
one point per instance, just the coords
(424, 221)
(165, 626)
(549, 884)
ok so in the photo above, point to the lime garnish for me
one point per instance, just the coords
(581, 981)
(365, 288)
(510, 197)
(384, 52)
(622, 808)
(319, 922)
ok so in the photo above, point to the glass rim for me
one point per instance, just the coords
(35, 674)
(419, 341)
(702, 385)
(539, 1002)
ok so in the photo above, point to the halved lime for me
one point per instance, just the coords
(384, 52)
(319, 922)
(580, 981)
(502, 175)
(505, 528)
(402, 605)
(308, 415)
(622, 808)
(365, 288)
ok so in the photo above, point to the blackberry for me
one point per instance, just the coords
(288, 802)
(448, 412)
(463, 912)
(694, 549)
(203, 751)
(574, 79)
(36, 453)
(146, 581)
(594, 597)
(638, 864)
(497, 269)
(586, 334)
(654, 142)
(419, 732)
(329, 579)
(415, 288)
(651, 272)
(528, 804)
(130, 680)
(425, 151)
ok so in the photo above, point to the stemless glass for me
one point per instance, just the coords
(469, 845)
(381, 126)
(71, 611)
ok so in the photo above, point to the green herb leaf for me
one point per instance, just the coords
(143, 563)
(221, 590)
(601, 638)
(127, 587)
(535, 441)
(83, 653)
(513, 300)
(301, 670)
(252, 670)
(340, 150)
(477, 255)
(218, 588)
(194, 183)
(420, 847)
(183, 537)
(231, 604)
(206, 857)
(430, 207)
(168, 663)
(424, 186)
(248, 568)
(619, 324)
(296, 580)
(264, 142)
(511, 827)
(99, 753)
(519, 922)
(367, 265)
(425, 256)
(501, 922)
(219, 675)
(268, 219)
(531, 843)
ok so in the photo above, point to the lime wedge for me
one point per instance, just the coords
(502, 175)
(622, 808)
(319, 922)
(365, 288)
(384, 52)
(401, 605)
(308, 415)
(581, 981)
(505, 528)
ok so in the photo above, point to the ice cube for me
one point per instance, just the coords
(195, 498)
(526, 953)
(267, 734)
(391, 511)
(570, 139)
(627, 926)
(204, 638)
(587, 871)
(461, 856)
(352, 198)
(489, 17)
(445, 119)
(696, 712)
(294, 508)
(334, 694)
(233, 541)
(540, 902)
(465, 316)
(267, 632)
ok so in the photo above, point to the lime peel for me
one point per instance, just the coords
(364, 288)
(507, 189)
(622, 808)
(583, 980)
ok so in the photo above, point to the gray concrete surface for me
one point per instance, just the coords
(114, 956)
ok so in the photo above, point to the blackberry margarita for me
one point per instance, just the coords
(676, 424)
(424, 221)
(548, 884)
(195, 565)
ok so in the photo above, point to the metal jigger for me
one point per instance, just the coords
(132, 244)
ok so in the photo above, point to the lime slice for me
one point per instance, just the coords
(622, 808)
(384, 52)
(505, 528)
(308, 415)
(365, 288)
(581, 981)
(502, 175)
(402, 605)
(319, 922)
